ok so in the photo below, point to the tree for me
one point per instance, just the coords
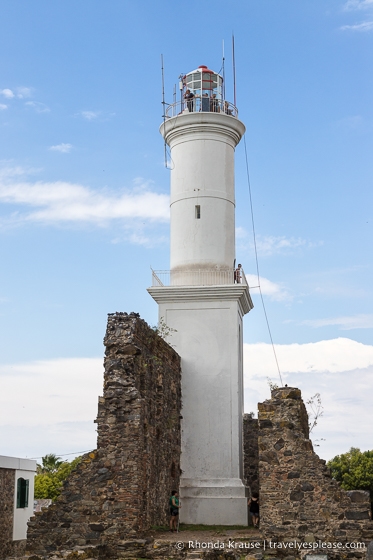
(315, 410)
(163, 330)
(50, 464)
(354, 470)
(48, 482)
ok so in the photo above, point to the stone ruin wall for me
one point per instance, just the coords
(7, 489)
(120, 490)
(251, 452)
(298, 497)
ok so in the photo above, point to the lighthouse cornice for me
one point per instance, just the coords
(202, 126)
(173, 294)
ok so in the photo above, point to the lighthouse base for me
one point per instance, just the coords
(213, 502)
(205, 323)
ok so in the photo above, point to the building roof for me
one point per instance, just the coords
(17, 463)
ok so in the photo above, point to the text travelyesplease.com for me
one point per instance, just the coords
(290, 545)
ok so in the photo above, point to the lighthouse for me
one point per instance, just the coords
(202, 299)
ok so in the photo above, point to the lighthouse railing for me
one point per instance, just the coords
(196, 277)
(201, 105)
(243, 278)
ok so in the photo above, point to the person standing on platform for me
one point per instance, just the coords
(254, 509)
(174, 510)
(189, 96)
(237, 274)
(214, 104)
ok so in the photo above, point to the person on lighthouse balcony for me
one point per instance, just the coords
(237, 274)
(189, 96)
(214, 104)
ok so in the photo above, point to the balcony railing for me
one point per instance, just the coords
(201, 105)
(202, 277)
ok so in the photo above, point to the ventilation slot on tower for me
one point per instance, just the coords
(198, 212)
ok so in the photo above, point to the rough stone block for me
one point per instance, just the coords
(359, 496)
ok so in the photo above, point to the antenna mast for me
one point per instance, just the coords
(181, 90)
(234, 72)
(223, 73)
(164, 111)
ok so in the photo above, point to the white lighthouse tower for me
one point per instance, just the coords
(204, 301)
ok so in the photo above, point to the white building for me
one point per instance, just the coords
(201, 299)
(17, 495)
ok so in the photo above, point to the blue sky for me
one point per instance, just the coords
(84, 197)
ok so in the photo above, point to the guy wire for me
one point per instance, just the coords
(257, 262)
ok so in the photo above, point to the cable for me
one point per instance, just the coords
(63, 455)
(170, 160)
(257, 262)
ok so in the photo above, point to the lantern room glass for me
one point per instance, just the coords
(204, 83)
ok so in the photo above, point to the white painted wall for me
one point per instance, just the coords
(202, 173)
(22, 515)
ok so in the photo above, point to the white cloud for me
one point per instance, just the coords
(23, 92)
(140, 238)
(7, 93)
(341, 370)
(361, 27)
(90, 115)
(56, 384)
(8, 171)
(358, 5)
(274, 291)
(3, 107)
(337, 355)
(63, 148)
(62, 202)
(49, 406)
(38, 107)
(241, 233)
(268, 245)
(346, 323)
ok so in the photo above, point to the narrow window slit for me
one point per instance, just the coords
(198, 212)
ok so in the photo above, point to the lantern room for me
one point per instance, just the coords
(204, 82)
(202, 90)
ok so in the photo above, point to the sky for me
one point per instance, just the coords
(84, 199)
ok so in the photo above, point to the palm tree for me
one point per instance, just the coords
(50, 464)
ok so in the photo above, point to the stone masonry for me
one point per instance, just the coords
(298, 497)
(120, 490)
(251, 452)
(7, 482)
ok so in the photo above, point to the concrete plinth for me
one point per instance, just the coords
(213, 502)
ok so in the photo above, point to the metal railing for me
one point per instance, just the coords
(201, 105)
(202, 277)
